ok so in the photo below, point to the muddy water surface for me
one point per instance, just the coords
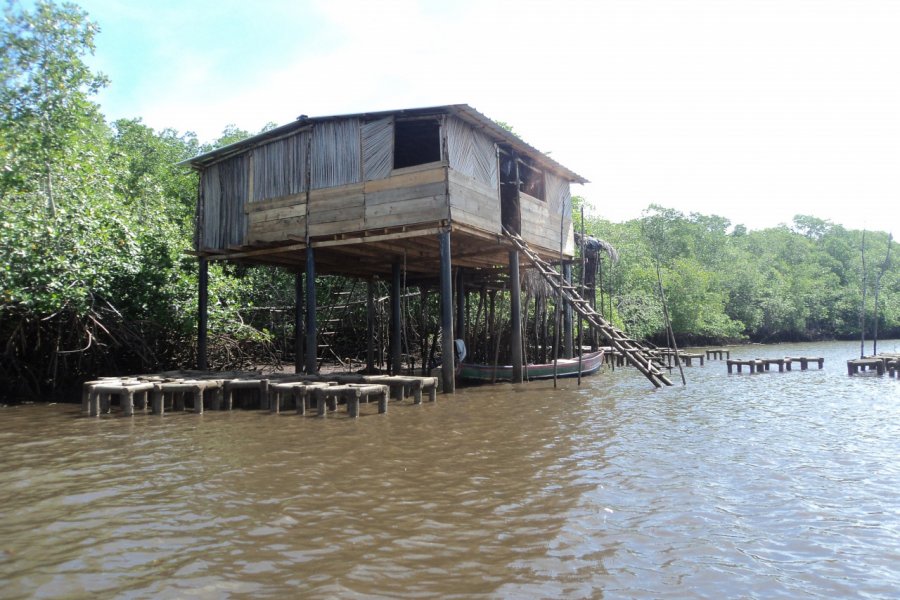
(770, 485)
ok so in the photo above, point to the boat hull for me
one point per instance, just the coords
(566, 367)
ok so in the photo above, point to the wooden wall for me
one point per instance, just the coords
(276, 220)
(337, 177)
(541, 226)
(415, 195)
(474, 203)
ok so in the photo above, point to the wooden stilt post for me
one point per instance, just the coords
(515, 294)
(202, 313)
(395, 341)
(568, 344)
(298, 322)
(311, 348)
(370, 326)
(448, 364)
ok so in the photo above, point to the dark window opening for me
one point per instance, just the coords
(416, 142)
(531, 180)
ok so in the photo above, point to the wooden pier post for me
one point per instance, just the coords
(298, 322)
(395, 341)
(202, 312)
(312, 353)
(448, 364)
(515, 295)
(370, 326)
(568, 344)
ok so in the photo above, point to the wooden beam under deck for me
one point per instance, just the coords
(369, 254)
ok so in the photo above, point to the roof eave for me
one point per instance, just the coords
(462, 110)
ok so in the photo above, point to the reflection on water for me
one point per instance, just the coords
(777, 484)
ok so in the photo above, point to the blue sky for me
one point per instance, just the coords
(755, 110)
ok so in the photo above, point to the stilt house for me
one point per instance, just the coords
(356, 195)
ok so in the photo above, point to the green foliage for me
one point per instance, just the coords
(781, 283)
(95, 224)
(48, 124)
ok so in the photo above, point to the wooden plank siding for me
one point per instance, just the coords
(336, 178)
(408, 198)
(540, 226)
(336, 210)
(474, 203)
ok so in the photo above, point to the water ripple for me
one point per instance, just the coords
(764, 486)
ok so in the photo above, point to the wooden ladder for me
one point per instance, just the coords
(634, 352)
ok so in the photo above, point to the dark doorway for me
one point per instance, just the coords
(510, 215)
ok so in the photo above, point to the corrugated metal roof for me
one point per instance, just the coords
(463, 111)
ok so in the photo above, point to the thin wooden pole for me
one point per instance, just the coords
(476, 330)
(312, 350)
(669, 332)
(395, 341)
(559, 301)
(298, 322)
(862, 309)
(568, 350)
(460, 331)
(515, 294)
(423, 318)
(581, 290)
(448, 363)
(202, 313)
(370, 326)
(884, 267)
(492, 334)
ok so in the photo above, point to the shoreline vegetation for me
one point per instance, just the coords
(96, 221)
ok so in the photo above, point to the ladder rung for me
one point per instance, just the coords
(634, 352)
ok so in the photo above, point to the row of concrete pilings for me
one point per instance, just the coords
(221, 391)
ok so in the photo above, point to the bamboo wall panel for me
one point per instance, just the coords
(225, 188)
(558, 195)
(471, 152)
(279, 167)
(560, 199)
(474, 203)
(377, 148)
(336, 153)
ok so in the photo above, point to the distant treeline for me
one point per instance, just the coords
(803, 281)
(96, 222)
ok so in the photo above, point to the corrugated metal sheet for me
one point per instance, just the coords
(378, 148)
(335, 153)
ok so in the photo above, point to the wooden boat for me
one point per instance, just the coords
(566, 367)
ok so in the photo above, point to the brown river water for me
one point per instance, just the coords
(773, 485)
